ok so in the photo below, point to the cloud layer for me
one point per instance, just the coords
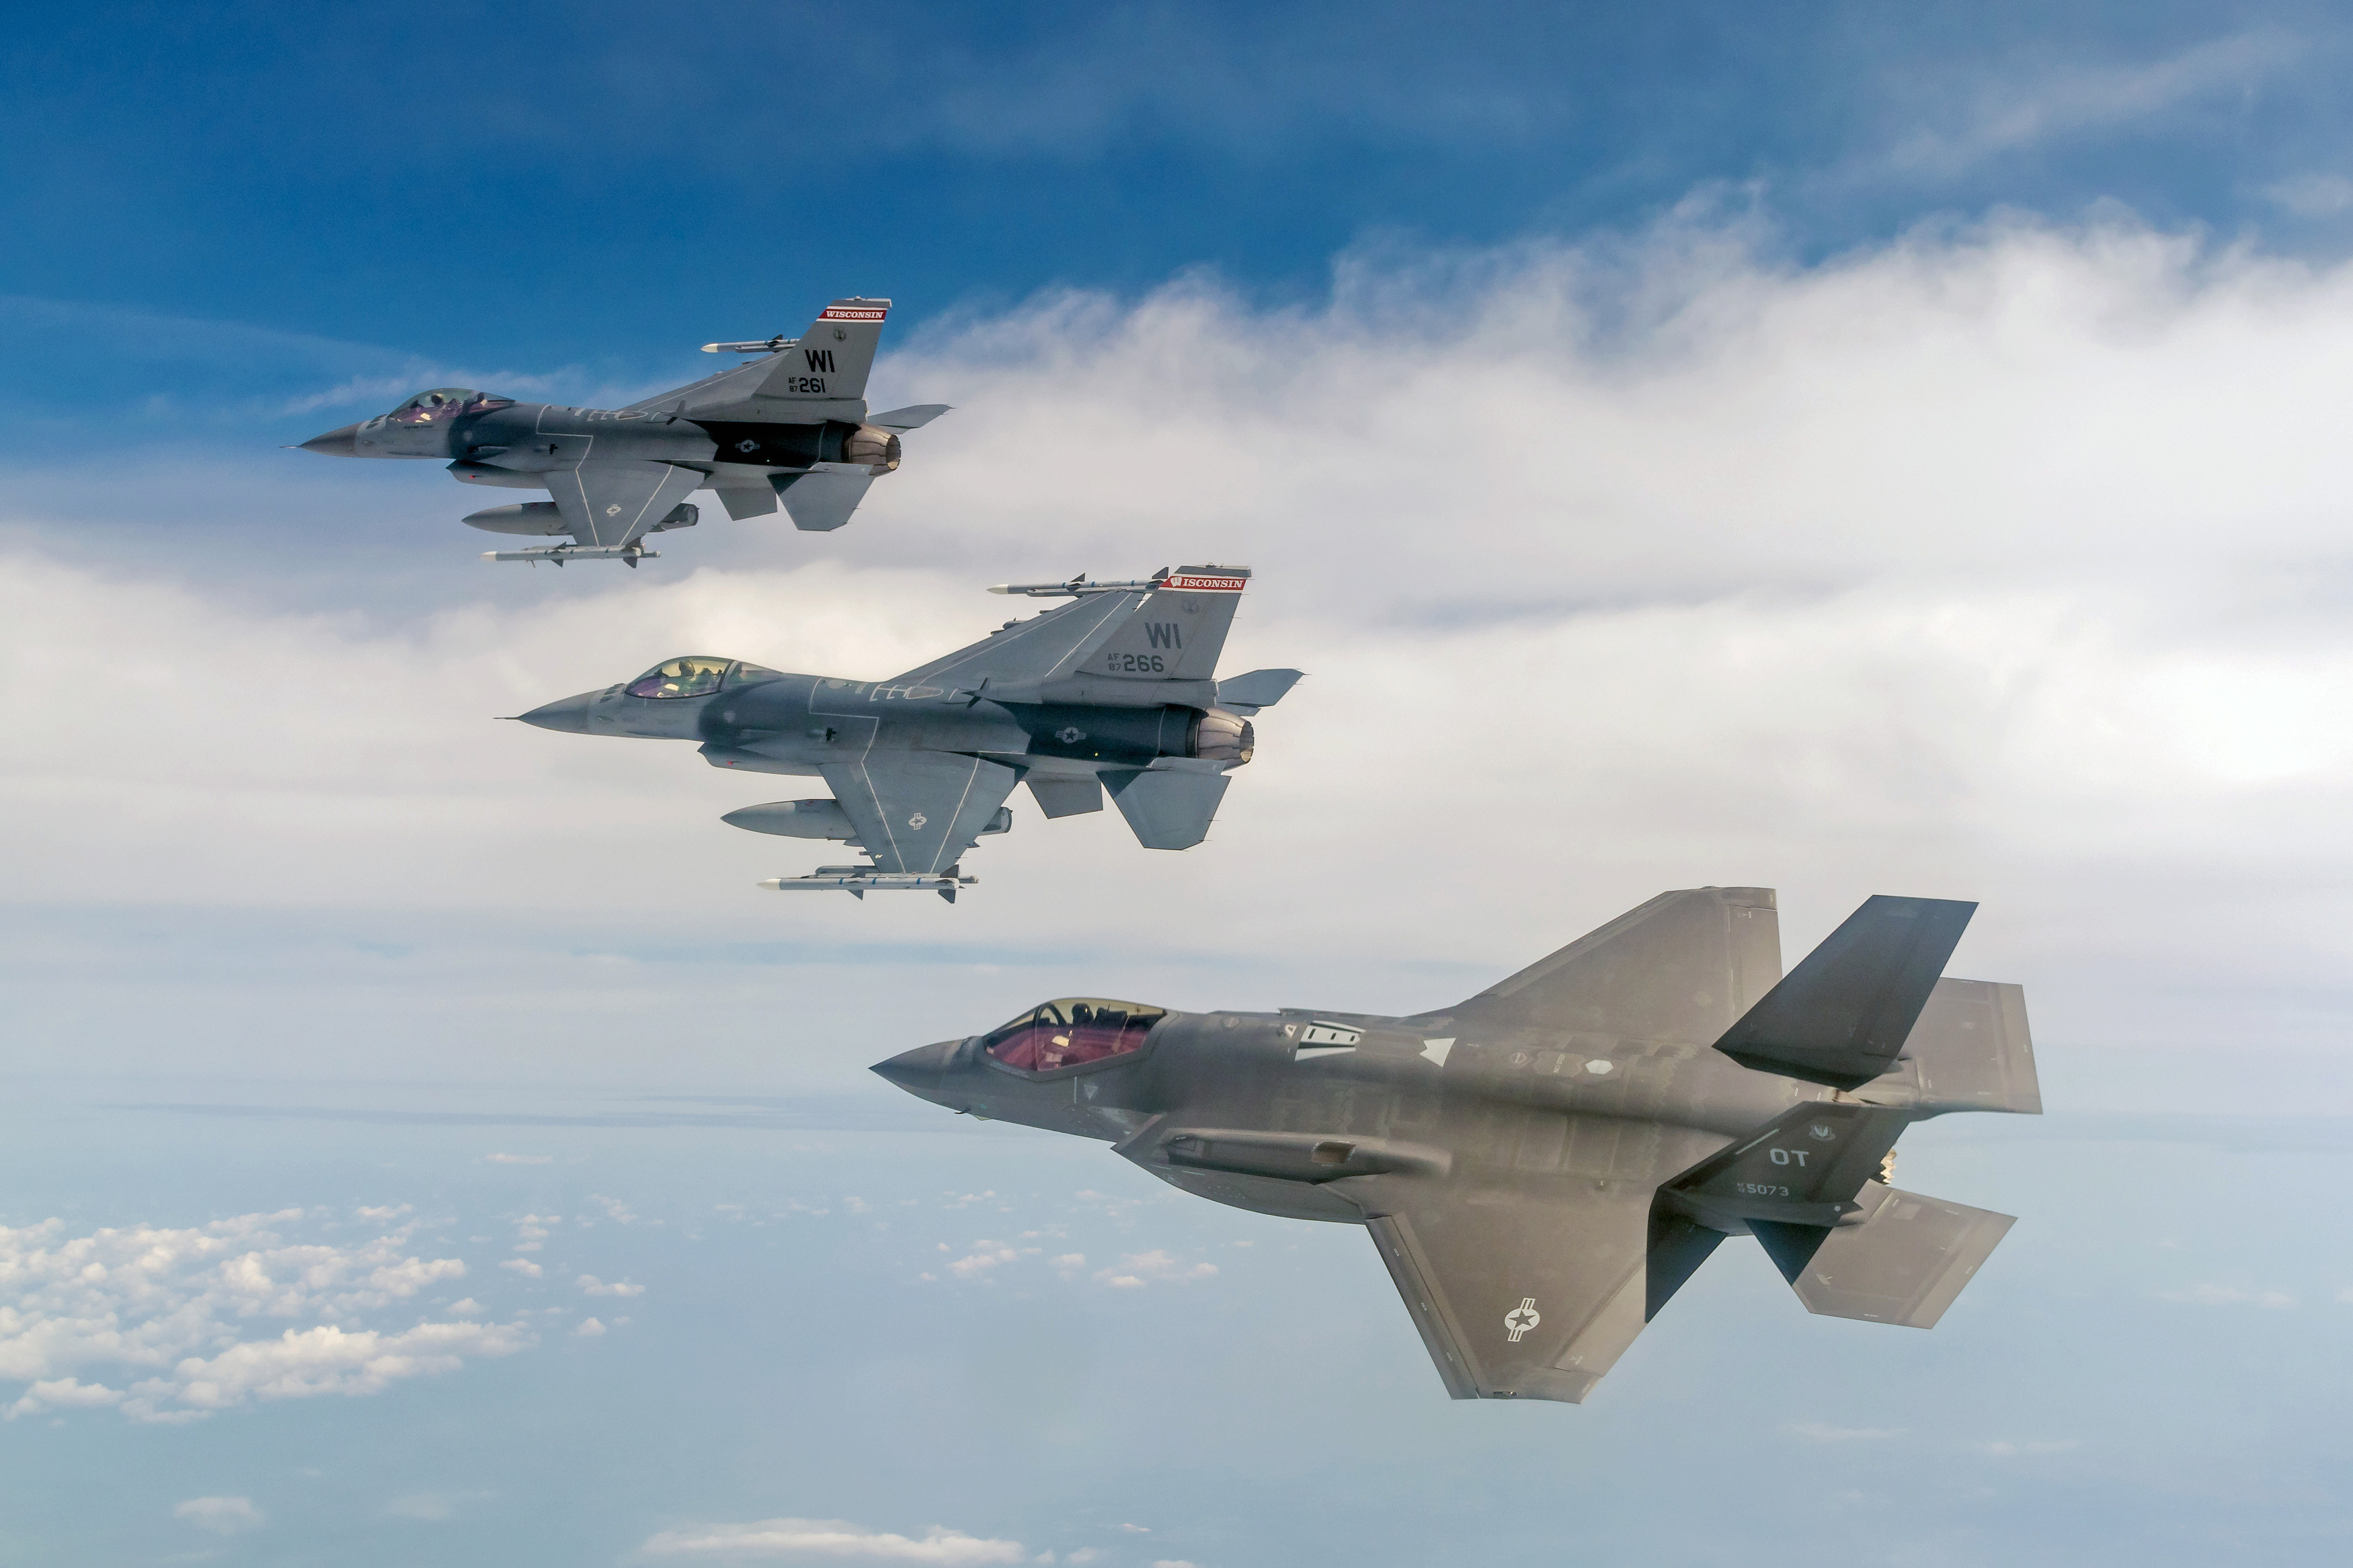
(174, 1325)
(2000, 562)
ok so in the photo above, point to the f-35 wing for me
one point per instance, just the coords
(918, 811)
(1528, 1291)
(612, 503)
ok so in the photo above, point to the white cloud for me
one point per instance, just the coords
(2314, 195)
(430, 1507)
(2004, 562)
(986, 1256)
(1821, 1434)
(168, 1311)
(1084, 1554)
(2023, 105)
(1171, 1563)
(589, 1329)
(2008, 1451)
(520, 1159)
(1139, 1268)
(593, 1286)
(221, 1515)
(831, 1538)
(2227, 1296)
(522, 1266)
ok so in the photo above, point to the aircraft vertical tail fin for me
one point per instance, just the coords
(832, 359)
(1173, 633)
(1969, 1051)
(1840, 1017)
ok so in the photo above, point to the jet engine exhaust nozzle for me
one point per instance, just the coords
(877, 448)
(1222, 737)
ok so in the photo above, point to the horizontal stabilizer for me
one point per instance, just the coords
(1168, 810)
(822, 501)
(1842, 1015)
(1902, 1260)
(1246, 694)
(912, 418)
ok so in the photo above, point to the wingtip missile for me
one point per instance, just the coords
(861, 880)
(764, 346)
(557, 555)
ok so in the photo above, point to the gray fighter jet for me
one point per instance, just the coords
(790, 424)
(1116, 690)
(1543, 1165)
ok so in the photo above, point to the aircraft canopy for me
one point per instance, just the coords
(1072, 1032)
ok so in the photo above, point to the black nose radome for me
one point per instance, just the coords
(918, 1071)
(342, 443)
(571, 714)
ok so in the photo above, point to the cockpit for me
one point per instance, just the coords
(444, 404)
(698, 677)
(1072, 1032)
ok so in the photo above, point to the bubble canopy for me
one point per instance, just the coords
(696, 675)
(1072, 1031)
(444, 404)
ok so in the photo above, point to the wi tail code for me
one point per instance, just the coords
(1163, 634)
(818, 359)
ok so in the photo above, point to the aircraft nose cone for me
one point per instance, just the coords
(571, 714)
(342, 443)
(919, 1071)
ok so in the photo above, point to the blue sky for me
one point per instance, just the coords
(1834, 447)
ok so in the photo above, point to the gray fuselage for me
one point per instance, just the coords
(777, 723)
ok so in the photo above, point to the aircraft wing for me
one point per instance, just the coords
(917, 811)
(611, 503)
(1527, 1292)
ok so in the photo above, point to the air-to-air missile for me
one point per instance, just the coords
(1543, 1165)
(1114, 692)
(789, 423)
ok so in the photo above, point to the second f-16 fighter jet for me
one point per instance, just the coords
(1542, 1165)
(1114, 690)
(790, 425)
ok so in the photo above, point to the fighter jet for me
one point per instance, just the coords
(1542, 1165)
(790, 424)
(1115, 689)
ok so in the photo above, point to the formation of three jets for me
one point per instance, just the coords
(1541, 1167)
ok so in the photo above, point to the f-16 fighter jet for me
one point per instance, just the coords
(1114, 690)
(1542, 1165)
(791, 424)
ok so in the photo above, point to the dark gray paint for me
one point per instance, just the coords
(1544, 1163)
(1115, 689)
(791, 424)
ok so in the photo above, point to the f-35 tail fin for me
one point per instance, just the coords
(1840, 1017)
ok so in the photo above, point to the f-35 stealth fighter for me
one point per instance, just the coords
(1543, 1165)
(1116, 690)
(791, 424)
